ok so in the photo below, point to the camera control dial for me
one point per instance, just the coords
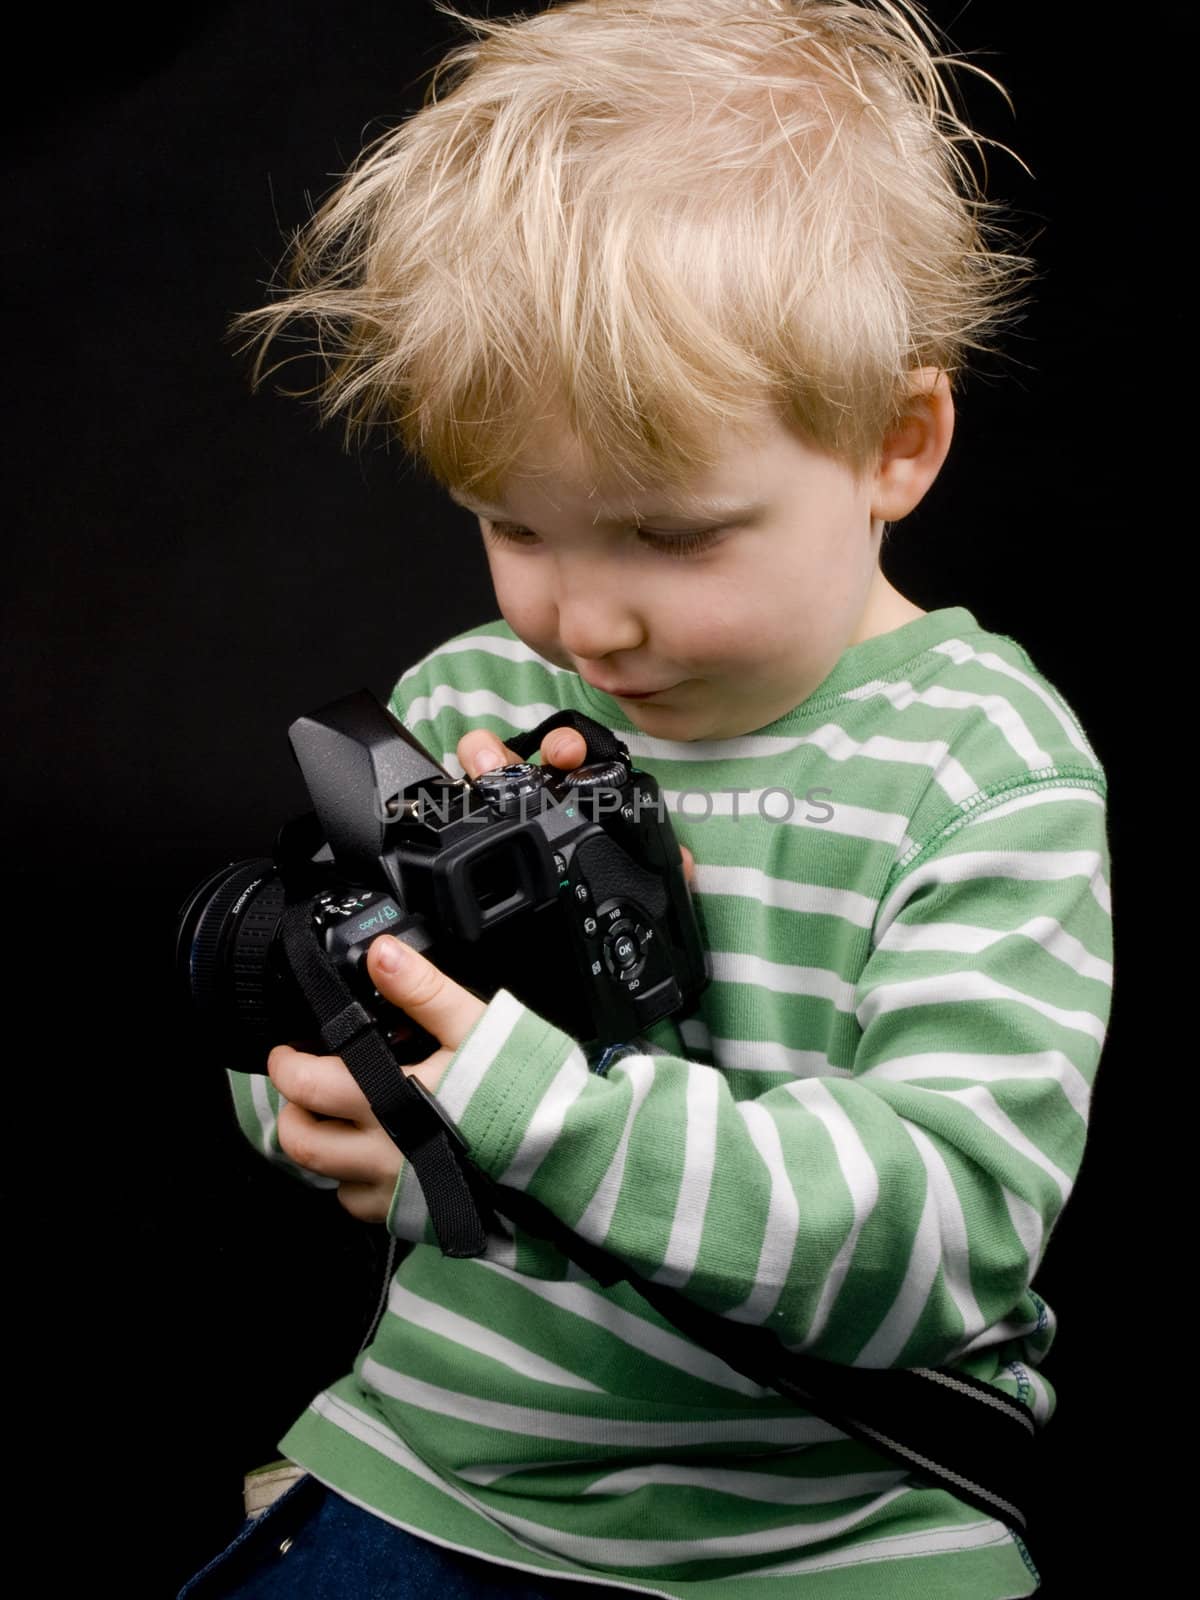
(596, 775)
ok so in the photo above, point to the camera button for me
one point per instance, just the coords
(623, 953)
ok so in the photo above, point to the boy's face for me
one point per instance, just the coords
(728, 635)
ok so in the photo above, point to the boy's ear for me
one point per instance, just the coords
(912, 452)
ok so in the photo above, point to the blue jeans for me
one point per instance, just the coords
(337, 1552)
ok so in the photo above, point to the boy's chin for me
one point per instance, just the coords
(679, 721)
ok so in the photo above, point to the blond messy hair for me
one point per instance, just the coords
(651, 218)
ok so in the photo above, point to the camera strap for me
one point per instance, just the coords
(950, 1429)
(602, 742)
(947, 1428)
(414, 1120)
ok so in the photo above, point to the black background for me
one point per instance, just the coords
(195, 565)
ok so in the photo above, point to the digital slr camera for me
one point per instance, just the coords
(565, 887)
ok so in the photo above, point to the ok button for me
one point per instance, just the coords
(623, 951)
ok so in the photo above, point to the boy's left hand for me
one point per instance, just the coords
(327, 1124)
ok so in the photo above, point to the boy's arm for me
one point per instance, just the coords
(888, 1216)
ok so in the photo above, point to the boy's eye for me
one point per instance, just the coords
(509, 533)
(670, 544)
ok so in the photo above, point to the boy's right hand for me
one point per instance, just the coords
(480, 751)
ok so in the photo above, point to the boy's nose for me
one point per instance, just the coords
(597, 620)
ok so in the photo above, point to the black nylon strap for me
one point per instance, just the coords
(412, 1117)
(341, 1030)
(602, 743)
(944, 1427)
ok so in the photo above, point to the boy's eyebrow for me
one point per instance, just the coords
(718, 510)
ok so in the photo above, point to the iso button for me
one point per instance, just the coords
(625, 949)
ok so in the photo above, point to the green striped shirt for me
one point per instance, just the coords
(862, 1137)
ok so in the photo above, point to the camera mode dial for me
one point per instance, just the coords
(330, 908)
(512, 789)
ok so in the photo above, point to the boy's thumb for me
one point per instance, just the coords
(410, 977)
(409, 980)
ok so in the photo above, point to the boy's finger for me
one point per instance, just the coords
(335, 1149)
(323, 1085)
(564, 748)
(480, 751)
(440, 1005)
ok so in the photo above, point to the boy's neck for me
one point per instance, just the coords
(885, 611)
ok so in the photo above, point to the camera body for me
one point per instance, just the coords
(564, 887)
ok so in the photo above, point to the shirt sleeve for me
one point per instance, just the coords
(888, 1216)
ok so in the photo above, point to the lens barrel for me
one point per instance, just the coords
(224, 958)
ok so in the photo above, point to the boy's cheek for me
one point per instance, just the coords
(536, 630)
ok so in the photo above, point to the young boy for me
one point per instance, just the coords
(670, 294)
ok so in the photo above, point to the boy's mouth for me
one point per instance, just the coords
(625, 694)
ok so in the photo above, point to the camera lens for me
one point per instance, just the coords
(224, 958)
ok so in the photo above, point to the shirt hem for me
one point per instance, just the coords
(427, 1506)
